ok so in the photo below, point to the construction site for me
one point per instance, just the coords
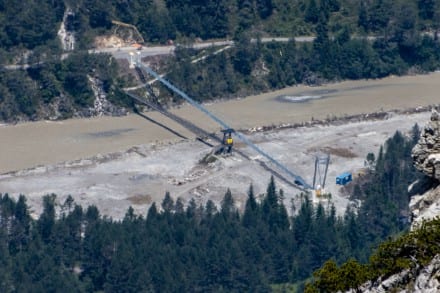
(312, 140)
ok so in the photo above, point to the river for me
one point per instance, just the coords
(29, 145)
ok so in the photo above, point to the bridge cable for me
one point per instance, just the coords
(298, 180)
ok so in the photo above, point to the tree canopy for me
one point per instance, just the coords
(193, 247)
(402, 39)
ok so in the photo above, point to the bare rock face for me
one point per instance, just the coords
(428, 279)
(425, 201)
(426, 154)
(425, 206)
(417, 280)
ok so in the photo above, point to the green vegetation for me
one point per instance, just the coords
(159, 21)
(33, 26)
(406, 41)
(411, 250)
(340, 50)
(59, 88)
(29, 24)
(203, 248)
(251, 67)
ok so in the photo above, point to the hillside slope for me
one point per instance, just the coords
(426, 156)
(47, 72)
(411, 262)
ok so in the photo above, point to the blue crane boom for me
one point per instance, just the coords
(297, 179)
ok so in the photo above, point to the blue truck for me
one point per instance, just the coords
(343, 178)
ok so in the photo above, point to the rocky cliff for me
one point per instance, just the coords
(416, 280)
(426, 154)
(426, 157)
(425, 203)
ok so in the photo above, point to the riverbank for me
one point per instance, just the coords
(28, 145)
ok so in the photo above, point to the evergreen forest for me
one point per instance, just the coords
(404, 253)
(354, 40)
(188, 247)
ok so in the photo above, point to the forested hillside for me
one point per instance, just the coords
(402, 39)
(407, 253)
(186, 247)
(58, 89)
(32, 24)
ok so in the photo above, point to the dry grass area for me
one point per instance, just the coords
(340, 152)
(140, 199)
(333, 151)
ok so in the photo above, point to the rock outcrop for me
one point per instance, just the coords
(425, 206)
(417, 280)
(425, 200)
(426, 154)
(428, 280)
(66, 32)
(101, 105)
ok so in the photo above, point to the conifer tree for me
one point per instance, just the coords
(227, 205)
(312, 12)
(20, 228)
(363, 21)
(153, 214)
(168, 203)
(250, 215)
(46, 221)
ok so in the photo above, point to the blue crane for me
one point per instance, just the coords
(297, 179)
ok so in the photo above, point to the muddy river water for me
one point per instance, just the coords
(31, 144)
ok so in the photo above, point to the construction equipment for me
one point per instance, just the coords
(227, 141)
(320, 174)
(297, 180)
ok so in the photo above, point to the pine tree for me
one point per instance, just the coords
(168, 203)
(269, 205)
(180, 206)
(426, 8)
(7, 210)
(271, 195)
(283, 217)
(312, 12)
(120, 277)
(20, 228)
(415, 134)
(352, 230)
(303, 221)
(6, 280)
(246, 14)
(250, 215)
(153, 214)
(92, 216)
(211, 209)
(129, 215)
(46, 221)
(227, 204)
(322, 47)
(363, 20)
(264, 8)
(191, 210)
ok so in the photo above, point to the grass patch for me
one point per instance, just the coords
(140, 199)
